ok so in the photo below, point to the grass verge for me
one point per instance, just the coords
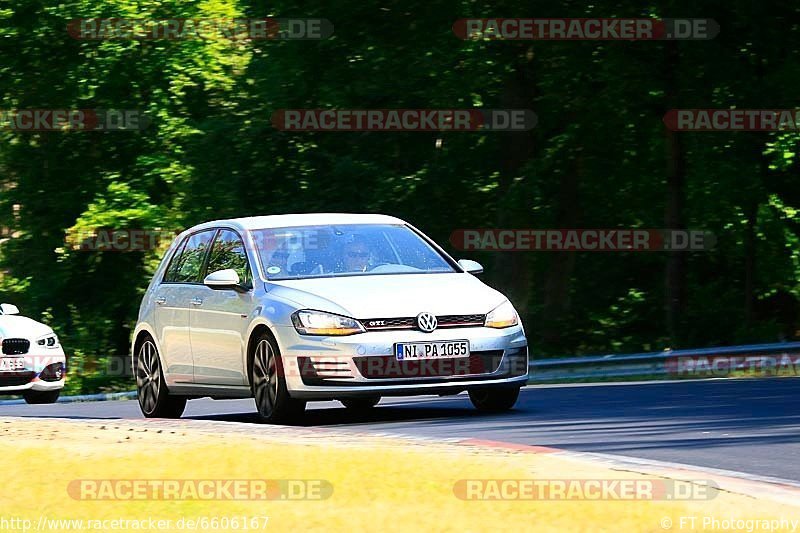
(378, 483)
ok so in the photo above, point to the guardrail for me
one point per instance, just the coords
(101, 397)
(640, 364)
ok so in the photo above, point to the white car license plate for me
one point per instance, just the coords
(9, 364)
(405, 351)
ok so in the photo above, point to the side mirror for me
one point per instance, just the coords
(473, 267)
(224, 280)
(8, 309)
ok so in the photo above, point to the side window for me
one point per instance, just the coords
(228, 252)
(187, 267)
(174, 263)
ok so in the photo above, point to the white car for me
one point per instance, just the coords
(32, 361)
(294, 308)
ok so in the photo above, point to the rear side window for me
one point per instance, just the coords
(228, 252)
(187, 264)
(172, 269)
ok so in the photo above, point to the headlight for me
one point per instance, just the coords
(321, 323)
(49, 341)
(502, 316)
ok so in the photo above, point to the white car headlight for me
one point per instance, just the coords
(48, 341)
(502, 316)
(309, 322)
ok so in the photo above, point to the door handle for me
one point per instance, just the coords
(161, 300)
(197, 301)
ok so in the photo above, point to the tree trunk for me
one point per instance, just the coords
(750, 262)
(512, 269)
(675, 282)
(556, 299)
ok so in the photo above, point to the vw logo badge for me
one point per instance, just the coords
(426, 322)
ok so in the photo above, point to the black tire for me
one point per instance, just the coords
(268, 382)
(494, 399)
(155, 401)
(33, 397)
(360, 404)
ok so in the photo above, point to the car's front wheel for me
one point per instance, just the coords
(360, 404)
(40, 397)
(494, 399)
(273, 402)
(154, 398)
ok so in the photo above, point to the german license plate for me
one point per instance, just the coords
(12, 364)
(406, 351)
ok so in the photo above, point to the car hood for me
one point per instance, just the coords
(388, 296)
(23, 327)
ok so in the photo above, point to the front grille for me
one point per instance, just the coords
(453, 321)
(388, 323)
(444, 321)
(388, 367)
(16, 346)
(15, 379)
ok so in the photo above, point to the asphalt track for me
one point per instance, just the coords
(750, 426)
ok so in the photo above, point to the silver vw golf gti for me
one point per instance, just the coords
(294, 308)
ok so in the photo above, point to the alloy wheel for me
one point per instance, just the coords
(148, 376)
(265, 378)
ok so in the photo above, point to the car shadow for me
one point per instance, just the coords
(341, 416)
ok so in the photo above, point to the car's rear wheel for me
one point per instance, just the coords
(154, 398)
(360, 404)
(494, 399)
(268, 380)
(40, 397)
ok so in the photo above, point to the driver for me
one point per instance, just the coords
(356, 255)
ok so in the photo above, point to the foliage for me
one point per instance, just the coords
(597, 158)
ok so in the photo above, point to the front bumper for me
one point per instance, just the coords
(364, 364)
(37, 374)
(441, 387)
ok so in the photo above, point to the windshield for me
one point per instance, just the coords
(345, 250)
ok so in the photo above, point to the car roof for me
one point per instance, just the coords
(301, 219)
